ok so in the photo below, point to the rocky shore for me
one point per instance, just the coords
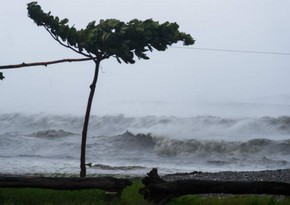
(280, 175)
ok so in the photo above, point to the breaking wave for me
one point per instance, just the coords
(204, 127)
(172, 147)
(51, 134)
(130, 144)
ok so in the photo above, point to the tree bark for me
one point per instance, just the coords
(87, 119)
(159, 191)
(105, 183)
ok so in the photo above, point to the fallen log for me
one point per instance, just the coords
(65, 183)
(158, 191)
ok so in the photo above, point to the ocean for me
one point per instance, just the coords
(49, 144)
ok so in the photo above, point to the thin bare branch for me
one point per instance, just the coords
(46, 63)
(67, 46)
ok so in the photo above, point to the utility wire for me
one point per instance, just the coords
(233, 51)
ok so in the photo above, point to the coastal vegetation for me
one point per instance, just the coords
(125, 42)
(98, 42)
(129, 196)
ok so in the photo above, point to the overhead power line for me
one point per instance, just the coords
(233, 51)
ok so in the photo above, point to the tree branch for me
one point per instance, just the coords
(45, 63)
(66, 46)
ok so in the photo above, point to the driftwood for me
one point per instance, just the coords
(159, 191)
(68, 183)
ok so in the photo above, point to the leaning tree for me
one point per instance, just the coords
(97, 42)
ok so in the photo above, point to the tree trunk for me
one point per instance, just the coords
(87, 119)
(159, 191)
(69, 183)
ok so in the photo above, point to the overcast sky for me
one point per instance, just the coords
(176, 77)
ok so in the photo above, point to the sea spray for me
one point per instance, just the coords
(51, 143)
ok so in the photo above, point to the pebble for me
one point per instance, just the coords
(280, 175)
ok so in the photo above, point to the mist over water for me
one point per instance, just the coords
(183, 110)
(48, 144)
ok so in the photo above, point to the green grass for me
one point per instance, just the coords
(230, 200)
(45, 196)
(130, 196)
(27, 196)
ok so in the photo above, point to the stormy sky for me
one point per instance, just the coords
(179, 81)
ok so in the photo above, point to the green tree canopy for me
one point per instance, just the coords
(108, 38)
(111, 37)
